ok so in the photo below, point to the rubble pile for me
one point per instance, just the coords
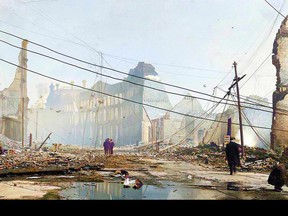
(72, 158)
(39, 159)
(260, 159)
(8, 143)
(66, 160)
(256, 159)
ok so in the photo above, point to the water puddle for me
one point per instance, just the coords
(166, 190)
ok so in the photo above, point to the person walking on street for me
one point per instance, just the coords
(111, 146)
(233, 155)
(106, 145)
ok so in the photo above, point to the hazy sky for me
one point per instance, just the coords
(191, 43)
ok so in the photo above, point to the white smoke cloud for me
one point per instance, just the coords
(250, 138)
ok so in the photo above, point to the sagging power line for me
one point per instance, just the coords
(142, 85)
(129, 100)
(103, 67)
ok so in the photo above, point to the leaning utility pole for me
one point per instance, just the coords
(152, 129)
(239, 110)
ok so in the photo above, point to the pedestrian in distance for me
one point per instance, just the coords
(233, 155)
(106, 146)
(111, 146)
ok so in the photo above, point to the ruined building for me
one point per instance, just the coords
(14, 102)
(186, 129)
(86, 118)
(217, 130)
(279, 133)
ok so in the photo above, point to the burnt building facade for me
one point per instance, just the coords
(14, 102)
(117, 111)
(279, 132)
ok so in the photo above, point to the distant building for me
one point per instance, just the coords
(87, 118)
(129, 113)
(256, 117)
(185, 128)
(217, 130)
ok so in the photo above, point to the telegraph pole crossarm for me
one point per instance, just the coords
(237, 80)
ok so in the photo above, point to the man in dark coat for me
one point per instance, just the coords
(277, 177)
(232, 155)
(106, 145)
(111, 146)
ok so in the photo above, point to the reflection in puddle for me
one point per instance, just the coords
(234, 186)
(115, 191)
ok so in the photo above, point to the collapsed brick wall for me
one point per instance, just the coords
(279, 136)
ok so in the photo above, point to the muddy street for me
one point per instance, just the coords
(89, 175)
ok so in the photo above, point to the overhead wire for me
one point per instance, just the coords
(222, 113)
(246, 81)
(264, 142)
(274, 8)
(125, 80)
(270, 31)
(89, 63)
(87, 111)
(206, 114)
(38, 33)
(262, 42)
(28, 21)
(277, 110)
(249, 98)
(262, 63)
(122, 98)
(47, 17)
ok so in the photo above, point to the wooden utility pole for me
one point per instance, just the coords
(22, 121)
(152, 129)
(239, 109)
(37, 124)
(23, 63)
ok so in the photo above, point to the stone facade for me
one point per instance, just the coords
(279, 133)
(186, 129)
(81, 117)
(87, 118)
(216, 131)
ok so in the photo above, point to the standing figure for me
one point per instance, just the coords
(232, 155)
(111, 146)
(277, 177)
(106, 146)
